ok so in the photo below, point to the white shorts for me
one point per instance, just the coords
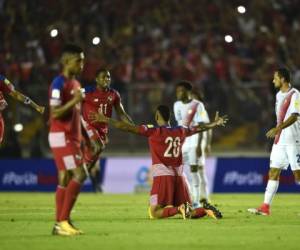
(189, 157)
(282, 156)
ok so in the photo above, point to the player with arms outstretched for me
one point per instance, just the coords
(169, 193)
(99, 98)
(286, 147)
(6, 87)
(190, 112)
(65, 137)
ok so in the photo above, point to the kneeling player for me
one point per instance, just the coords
(169, 193)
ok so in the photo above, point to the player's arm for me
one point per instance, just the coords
(26, 100)
(58, 111)
(219, 121)
(125, 126)
(291, 120)
(122, 113)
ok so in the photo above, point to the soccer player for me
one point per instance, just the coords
(189, 111)
(99, 98)
(6, 87)
(65, 136)
(169, 194)
(286, 147)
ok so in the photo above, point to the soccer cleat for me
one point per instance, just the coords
(71, 223)
(65, 226)
(182, 211)
(212, 211)
(264, 209)
(58, 231)
(185, 210)
(150, 214)
(204, 202)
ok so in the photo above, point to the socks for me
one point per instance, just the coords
(271, 190)
(71, 194)
(169, 211)
(203, 184)
(196, 186)
(59, 200)
(198, 213)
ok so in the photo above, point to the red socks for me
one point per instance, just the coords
(199, 212)
(59, 200)
(71, 194)
(169, 211)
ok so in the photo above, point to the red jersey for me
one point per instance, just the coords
(61, 92)
(97, 100)
(5, 88)
(165, 143)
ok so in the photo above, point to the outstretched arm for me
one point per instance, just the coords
(122, 113)
(127, 127)
(219, 121)
(26, 100)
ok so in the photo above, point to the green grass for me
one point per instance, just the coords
(121, 222)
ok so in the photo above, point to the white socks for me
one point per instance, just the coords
(196, 186)
(203, 184)
(271, 190)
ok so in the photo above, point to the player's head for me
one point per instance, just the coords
(281, 76)
(197, 95)
(162, 114)
(72, 59)
(183, 90)
(103, 78)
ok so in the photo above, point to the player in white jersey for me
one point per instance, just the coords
(286, 134)
(191, 112)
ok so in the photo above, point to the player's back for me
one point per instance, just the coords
(62, 91)
(165, 144)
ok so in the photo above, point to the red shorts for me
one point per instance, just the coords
(1, 128)
(169, 190)
(90, 156)
(67, 153)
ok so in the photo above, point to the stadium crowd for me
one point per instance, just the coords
(148, 46)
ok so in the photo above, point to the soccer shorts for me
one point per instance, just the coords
(66, 152)
(168, 190)
(1, 128)
(284, 155)
(90, 156)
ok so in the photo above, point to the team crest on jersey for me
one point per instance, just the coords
(109, 98)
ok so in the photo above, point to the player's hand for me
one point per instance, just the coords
(272, 133)
(220, 121)
(78, 96)
(97, 117)
(40, 109)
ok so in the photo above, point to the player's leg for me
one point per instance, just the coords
(294, 160)
(203, 180)
(95, 176)
(278, 161)
(1, 129)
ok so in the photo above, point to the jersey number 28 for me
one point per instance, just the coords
(173, 149)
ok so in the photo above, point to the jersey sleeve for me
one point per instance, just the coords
(295, 104)
(5, 85)
(56, 91)
(147, 130)
(201, 114)
(177, 113)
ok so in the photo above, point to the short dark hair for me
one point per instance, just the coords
(101, 71)
(284, 73)
(185, 84)
(72, 49)
(164, 111)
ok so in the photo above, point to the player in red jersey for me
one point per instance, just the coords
(6, 87)
(99, 98)
(65, 136)
(169, 193)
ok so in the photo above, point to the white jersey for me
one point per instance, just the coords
(291, 134)
(182, 111)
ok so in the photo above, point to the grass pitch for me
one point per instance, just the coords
(121, 222)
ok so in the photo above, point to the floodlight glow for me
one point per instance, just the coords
(18, 127)
(96, 40)
(228, 39)
(241, 9)
(54, 33)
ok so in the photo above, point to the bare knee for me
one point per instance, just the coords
(274, 174)
(63, 178)
(79, 174)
